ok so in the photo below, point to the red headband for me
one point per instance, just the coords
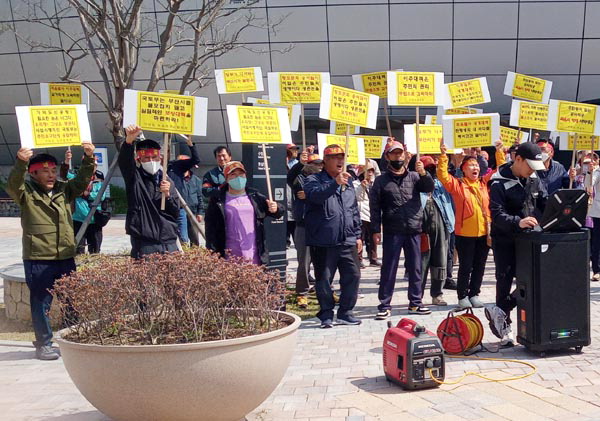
(40, 165)
(141, 153)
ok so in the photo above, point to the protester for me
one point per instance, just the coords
(214, 178)
(310, 163)
(438, 225)
(472, 227)
(363, 186)
(333, 232)
(589, 179)
(235, 218)
(48, 238)
(553, 176)
(395, 201)
(517, 201)
(190, 188)
(151, 229)
(291, 153)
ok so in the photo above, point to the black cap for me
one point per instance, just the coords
(531, 153)
(147, 144)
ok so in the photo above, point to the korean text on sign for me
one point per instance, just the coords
(467, 92)
(349, 106)
(527, 87)
(259, 124)
(65, 93)
(430, 137)
(415, 88)
(529, 115)
(510, 136)
(338, 128)
(239, 80)
(52, 127)
(574, 116)
(166, 113)
(374, 83)
(356, 147)
(298, 88)
(374, 146)
(472, 132)
(584, 142)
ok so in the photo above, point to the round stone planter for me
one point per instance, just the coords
(217, 380)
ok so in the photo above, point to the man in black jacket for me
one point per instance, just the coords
(395, 201)
(214, 178)
(151, 229)
(517, 199)
(235, 217)
(332, 225)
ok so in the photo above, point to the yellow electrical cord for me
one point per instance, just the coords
(472, 373)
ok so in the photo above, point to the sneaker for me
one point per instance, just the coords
(46, 353)
(362, 265)
(383, 314)
(302, 301)
(311, 290)
(476, 302)
(336, 298)
(439, 301)
(375, 263)
(450, 284)
(596, 277)
(419, 310)
(464, 303)
(508, 340)
(348, 319)
(326, 324)
(497, 318)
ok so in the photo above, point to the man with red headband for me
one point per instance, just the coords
(555, 176)
(48, 238)
(151, 229)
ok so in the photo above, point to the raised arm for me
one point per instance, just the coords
(16, 179)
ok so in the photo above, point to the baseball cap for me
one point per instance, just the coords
(314, 158)
(232, 166)
(292, 146)
(531, 153)
(427, 161)
(541, 143)
(393, 146)
(333, 150)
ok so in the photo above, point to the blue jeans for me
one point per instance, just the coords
(40, 276)
(183, 226)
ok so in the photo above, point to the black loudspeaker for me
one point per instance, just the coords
(553, 290)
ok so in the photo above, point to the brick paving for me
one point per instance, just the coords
(336, 374)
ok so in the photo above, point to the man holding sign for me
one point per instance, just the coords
(48, 238)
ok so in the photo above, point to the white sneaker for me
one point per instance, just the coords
(497, 318)
(508, 338)
(464, 303)
(476, 302)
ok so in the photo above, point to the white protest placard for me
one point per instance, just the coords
(585, 142)
(576, 117)
(64, 94)
(232, 81)
(348, 106)
(529, 115)
(338, 128)
(292, 109)
(356, 146)
(52, 126)
(250, 124)
(415, 89)
(296, 87)
(527, 87)
(173, 91)
(167, 113)
(466, 92)
(471, 131)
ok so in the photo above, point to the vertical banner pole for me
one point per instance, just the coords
(573, 157)
(530, 136)
(417, 118)
(70, 160)
(243, 98)
(267, 172)
(518, 141)
(303, 128)
(387, 118)
(166, 139)
(346, 151)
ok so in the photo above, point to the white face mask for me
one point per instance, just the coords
(545, 156)
(151, 167)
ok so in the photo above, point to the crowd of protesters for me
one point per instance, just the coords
(434, 210)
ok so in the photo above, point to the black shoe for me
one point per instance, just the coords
(383, 315)
(450, 284)
(326, 324)
(362, 265)
(375, 263)
(348, 319)
(46, 353)
(419, 310)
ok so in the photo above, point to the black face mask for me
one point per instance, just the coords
(396, 164)
(431, 170)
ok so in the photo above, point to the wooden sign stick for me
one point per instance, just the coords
(267, 173)
(346, 151)
(387, 118)
(303, 127)
(417, 118)
(573, 157)
(243, 98)
(166, 139)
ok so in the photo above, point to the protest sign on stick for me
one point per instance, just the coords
(430, 136)
(462, 131)
(374, 146)
(509, 135)
(355, 153)
(293, 110)
(241, 80)
(577, 117)
(465, 93)
(335, 127)
(529, 115)
(584, 142)
(527, 87)
(375, 83)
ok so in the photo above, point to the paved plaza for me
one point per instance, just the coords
(336, 374)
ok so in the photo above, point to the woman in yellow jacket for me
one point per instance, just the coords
(472, 227)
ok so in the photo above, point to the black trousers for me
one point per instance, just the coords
(505, 259)
(472, 255)
(325, 261)
(93, 238)
(367, 242)
(141, 248)
(595, 246)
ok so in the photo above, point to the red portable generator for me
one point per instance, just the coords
(409, 352)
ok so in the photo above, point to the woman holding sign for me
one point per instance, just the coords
(472, 226)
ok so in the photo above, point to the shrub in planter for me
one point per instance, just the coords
(175, 336)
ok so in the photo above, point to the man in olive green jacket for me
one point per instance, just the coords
(48, 238)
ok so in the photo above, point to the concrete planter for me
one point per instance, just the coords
(217, 380)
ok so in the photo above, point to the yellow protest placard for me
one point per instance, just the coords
(165, 112)
(576, 117)
(472, 132)
(467, 92)
(300, 88)
(355, 154)
(340, 128)
(375, 83)
(53, 127)
(65, 93)
(416, 88)
(528, 87)
(373, 146)
(461, 111)
(510, 136)
(532, 116)
(584, 142)
(259, 125)
(430, 137)
(239, 80)
(349, 106)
